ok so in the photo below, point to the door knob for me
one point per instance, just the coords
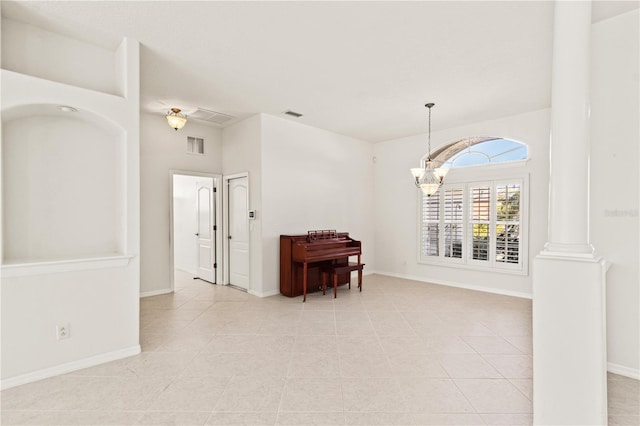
(197, 234)
(229, 236)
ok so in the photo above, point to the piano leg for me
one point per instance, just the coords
(359, 276)
(304, 282)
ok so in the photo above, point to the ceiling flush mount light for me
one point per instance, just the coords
(429, 176)
(176, 119)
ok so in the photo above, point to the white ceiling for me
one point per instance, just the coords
(362, 69)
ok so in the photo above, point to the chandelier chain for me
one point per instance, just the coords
(429, 133)
(429, 176)
(429, 105)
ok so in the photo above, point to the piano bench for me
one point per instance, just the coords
(333, 271)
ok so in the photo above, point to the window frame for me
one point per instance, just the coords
(474, 176)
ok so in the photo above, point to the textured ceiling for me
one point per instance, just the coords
(362, 69)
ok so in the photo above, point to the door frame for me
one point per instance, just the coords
(217, 183)
(225, 227)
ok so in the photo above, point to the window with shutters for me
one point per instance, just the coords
(477, 223)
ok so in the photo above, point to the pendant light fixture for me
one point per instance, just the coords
(429, 176)
(176, 119)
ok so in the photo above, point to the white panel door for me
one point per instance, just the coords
(239, 232)
(205, 236)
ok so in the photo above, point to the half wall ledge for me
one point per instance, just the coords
(67, 265)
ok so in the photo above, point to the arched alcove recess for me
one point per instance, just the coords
(63, 182)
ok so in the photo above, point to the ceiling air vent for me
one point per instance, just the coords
(293, 113)
(210, 116)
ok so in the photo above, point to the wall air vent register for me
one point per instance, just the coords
(195, 145)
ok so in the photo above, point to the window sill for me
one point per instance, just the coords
(516, 270)
(10, 270)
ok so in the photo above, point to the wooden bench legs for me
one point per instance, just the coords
(333, 271)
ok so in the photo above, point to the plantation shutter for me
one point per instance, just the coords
(507, 225)
(453, 222)
(480, 222)
(430, 228)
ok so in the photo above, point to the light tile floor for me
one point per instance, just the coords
(399, 353)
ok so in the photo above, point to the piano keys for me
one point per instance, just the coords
(302, 257)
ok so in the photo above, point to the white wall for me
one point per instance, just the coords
(300, 178)
(614, 180)
(164, 149)
(242, 153)
(313, 179)
(94, 289)
(60, 58)
(62, 188)
(397, 201)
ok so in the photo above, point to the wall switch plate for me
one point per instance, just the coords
(63, 331)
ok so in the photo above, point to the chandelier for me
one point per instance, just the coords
(430, 175)
(176, 119)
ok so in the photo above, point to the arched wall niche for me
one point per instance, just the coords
(63, 185)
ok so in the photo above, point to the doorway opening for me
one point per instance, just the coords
(195, 226)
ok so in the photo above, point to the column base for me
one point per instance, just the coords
(583, 251)
(569, 341)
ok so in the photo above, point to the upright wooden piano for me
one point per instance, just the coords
(302, 257)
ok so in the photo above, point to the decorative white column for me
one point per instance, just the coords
(569, 328)
(569, 188)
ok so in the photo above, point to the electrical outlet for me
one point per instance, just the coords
(63, 331)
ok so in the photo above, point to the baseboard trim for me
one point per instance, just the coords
(156, 292)
(623, 371)
(186, 270)
(454, 284)
(68, 367)
(265, 294)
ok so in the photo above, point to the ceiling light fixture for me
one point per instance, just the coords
(176, 119)
(429, 176)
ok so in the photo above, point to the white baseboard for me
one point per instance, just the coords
(454, 284)
(156, 292)
(68, 367)
(264, 294)
(623, 371)
(185, 269)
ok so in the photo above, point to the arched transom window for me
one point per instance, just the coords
(476, 151)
